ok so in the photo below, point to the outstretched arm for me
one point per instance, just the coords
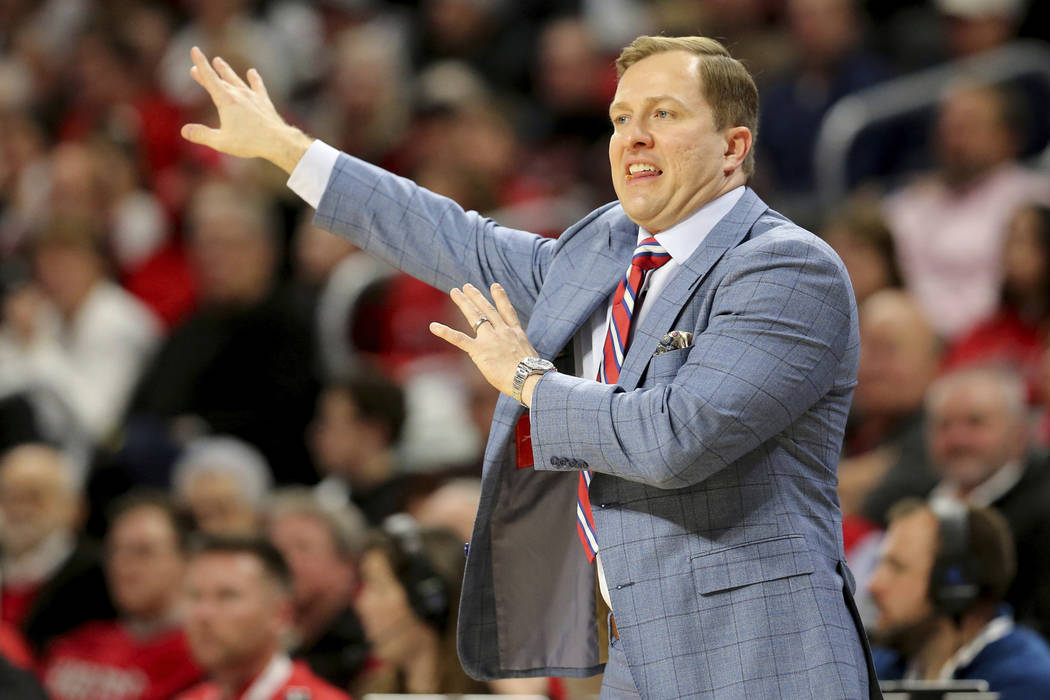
(249, 125)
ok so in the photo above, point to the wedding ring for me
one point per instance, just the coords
(477, 324)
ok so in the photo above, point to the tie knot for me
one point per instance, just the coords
(649, 255)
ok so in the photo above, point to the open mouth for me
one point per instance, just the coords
(641, 171)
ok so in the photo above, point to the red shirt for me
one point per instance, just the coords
(104, 660)
(282, 679)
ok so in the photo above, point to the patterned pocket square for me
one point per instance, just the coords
(675, 340)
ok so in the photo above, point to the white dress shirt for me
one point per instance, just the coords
(310, 178)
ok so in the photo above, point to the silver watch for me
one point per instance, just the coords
(526, 368)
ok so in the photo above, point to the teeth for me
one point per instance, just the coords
(641, 167)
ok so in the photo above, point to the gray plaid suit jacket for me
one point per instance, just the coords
(714, 465)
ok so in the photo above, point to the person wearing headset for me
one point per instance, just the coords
(939, 588)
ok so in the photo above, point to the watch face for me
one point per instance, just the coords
(535, 363)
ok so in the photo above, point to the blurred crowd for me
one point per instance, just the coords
(232, 455)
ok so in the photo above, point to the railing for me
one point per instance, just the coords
(853, 114)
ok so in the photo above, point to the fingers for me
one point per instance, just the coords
(503, 305)
(482, 305)
(198, 133)
(460, 340)
(227, 73)
(256, 82)
(203, 73)
(466, 303)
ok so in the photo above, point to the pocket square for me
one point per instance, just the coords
(675, 340)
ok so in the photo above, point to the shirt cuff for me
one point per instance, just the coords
(310, 177)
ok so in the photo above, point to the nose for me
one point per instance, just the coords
(638, 136)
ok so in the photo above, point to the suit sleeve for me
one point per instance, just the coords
(778, 330)
(429, 236)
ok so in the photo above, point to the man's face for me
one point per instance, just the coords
(973, 433)
(337, 437)
(235, 612)
(143, 565)
(667, 158)
(899, 586)
(309, 549)
(971, 136)
(217, 504)
(35, 499)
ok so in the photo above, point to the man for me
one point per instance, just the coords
(353, 441)
(238, 610)
(223, 482)
(143, 655)
(713, 449)
(938, 589)
(321, 546)
(949, 226)
(979, 441)
(52, 581)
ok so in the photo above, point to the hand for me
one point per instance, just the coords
(499, 343)
(249, 125)
(21, 313)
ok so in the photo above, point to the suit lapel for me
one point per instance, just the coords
(665, 308)
(588, 278)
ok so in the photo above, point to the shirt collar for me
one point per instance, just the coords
(987, 492)
(995, 630)
(682, 239)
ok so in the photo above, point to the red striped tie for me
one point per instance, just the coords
(648, 256)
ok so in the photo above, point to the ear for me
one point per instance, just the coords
(738, 144)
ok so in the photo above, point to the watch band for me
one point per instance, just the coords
(526, 368)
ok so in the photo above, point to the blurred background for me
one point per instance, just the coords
(171, 321)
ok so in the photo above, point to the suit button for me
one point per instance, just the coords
(584, 465)
(554, 461)
(563, 462)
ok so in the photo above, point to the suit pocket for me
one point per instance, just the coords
(665, 366)
(753, 562)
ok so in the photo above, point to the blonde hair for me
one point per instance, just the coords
(724, 81)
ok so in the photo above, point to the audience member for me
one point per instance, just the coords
(411, 580)
(238, 598)
(244, 363)
(223, 482)
(899, 355)
(974, 26)
(353, 439)
(949, 225)
(980, 446)
(859, 235)
(144, 654)
(1016, 334)
(78, 332)
(939, 588)
(321, 546)
(452, 506)
(51, 581)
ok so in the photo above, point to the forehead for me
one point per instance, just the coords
(974, 395)
(912, 538)
(671, 73)
(144, 521)
(226, 569)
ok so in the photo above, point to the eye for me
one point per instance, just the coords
(619, 120)
(662, 114)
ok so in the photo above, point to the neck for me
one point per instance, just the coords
(313, 616)
(948, 639)
(421, 669)
(238, 676)
(373, 470)
(69, 307)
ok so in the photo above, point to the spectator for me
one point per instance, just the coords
(143, 655)
(949, 224)
(357, 427)
(244, 363)
(411, 582)
(453, 507)
(980, 446)
(899, 355)
(975, 26)
(52, 582)
(238, 610)
(939, 588)
(223, 482)
(321, 546)
(78, 333)
(1015, 335)
(861, 238)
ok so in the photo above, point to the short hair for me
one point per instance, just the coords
(1009, 383)
(724, 81)
(345, 524)
(990, 542)
(377, 399)
(264, 551)
(229, 456)
(157, 500)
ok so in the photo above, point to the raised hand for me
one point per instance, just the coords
(499, 342)
(249, 125)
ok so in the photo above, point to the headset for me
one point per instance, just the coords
(427, 591)
(955, 579)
